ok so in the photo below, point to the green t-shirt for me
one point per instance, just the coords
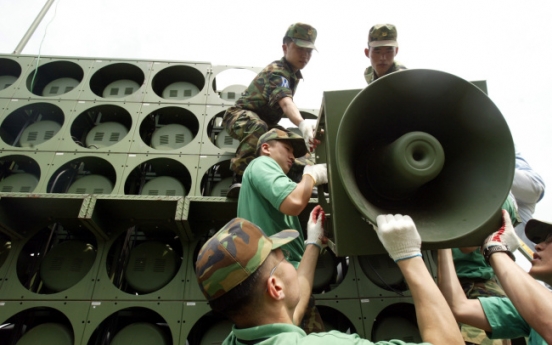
(264, 188)
(471, 265)
(281, 333)
(506, 322)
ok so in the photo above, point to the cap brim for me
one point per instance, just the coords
(537, 231)
(283, 237)
(388, 43)
(299, 147)
(304, 44)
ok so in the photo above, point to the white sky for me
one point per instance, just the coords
(503, 42)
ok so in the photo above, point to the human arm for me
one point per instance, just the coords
(307, 267)
(296, 201)
(294, 115)
(467, 250)
(468, 311)
(400, 238)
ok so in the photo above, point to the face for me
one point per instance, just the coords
(381, 58)
(297, 56)
(542, 261)
(281, 152)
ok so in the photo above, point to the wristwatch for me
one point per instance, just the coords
(497, 248)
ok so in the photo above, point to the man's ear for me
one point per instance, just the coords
(284, 48)
(265, 150)
(275, 288)
(396, 50)
(367, 52)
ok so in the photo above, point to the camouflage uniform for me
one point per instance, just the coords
(382, 35)
(370, 76)
(258, 109)
(478, 279)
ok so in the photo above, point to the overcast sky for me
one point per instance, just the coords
(503, 42)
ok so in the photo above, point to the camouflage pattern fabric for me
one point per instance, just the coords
(370, 76)
(248, 127)
(312, 321)
(302, 34)
(233, 254)
(383, 35)
(296, 141)
(474, 289)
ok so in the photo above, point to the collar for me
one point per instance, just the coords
(298, 74)
(257, 334)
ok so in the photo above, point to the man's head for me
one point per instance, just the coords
(298, 44)
(230, 267)
(382, 47)
(281, 146)
(541, 233)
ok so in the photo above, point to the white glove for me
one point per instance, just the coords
(504, 236)
(308, 133)
(318, 172)
(399, 236)
(315, 230)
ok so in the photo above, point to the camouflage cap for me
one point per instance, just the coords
(302, 34)
(233, 254)
(537, 231)
(296, 141)
(383, 35)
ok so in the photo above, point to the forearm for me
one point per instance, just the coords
(435, 320)
(290, 110)
(526, 188)
(298, 199)
(305, 275)
(465, 310)
(532, 300)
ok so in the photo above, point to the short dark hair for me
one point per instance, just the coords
(235, 301)
(287, 40)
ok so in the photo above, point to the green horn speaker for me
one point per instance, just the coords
(418, 142)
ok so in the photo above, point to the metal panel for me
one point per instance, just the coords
(343, 315)
(108, 317)
(88, 127)
(34, 125)
(154, 118)
(343, 282)
(57, 78)
(221, 80)
(211, 169)
(35, 163)
(121, 80)
(183, 83)
(14, 66)
(73, 314)
(377, 311)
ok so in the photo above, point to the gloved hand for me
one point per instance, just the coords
(308, 134)
(318, 172)
(399, 236)
(504, 236)
(315, 230)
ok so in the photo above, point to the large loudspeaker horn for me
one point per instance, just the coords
(418, 142)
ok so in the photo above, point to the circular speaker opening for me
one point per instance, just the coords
(330, 272)
(169, 177)
(231, 83)
(56, 258)
(178, 82)
(39, 325)
(219, 136)
(99, 175)
(169, 128)
(334, 320)
(136, 325)
(5, 247)
(101, 126)
(117, 80)
(10, 71)
(55, 78)
(384, 272)
(144, 259)
(32, 125)
(18, 174)
(215, 175)
(397, 321)
(209, 329)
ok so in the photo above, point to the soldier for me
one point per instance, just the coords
(527, 311)
(245, 276)
(382, 48)
(268, 98)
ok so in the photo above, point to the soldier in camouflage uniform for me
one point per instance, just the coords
(245, 276)
(478, 279)
(382, 48)
(268, 98)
